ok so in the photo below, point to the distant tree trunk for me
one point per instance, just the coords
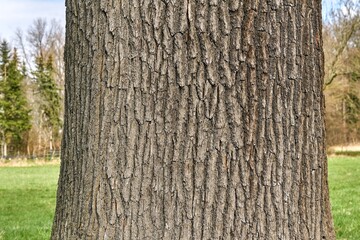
(51, 140)
(4, 152)
(193, 120)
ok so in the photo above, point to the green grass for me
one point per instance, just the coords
(27, 199)
(344, 181)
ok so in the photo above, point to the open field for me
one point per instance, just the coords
(27, 199)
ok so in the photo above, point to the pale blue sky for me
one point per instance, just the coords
(20, 13)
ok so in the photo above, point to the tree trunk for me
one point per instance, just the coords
(193, 120)
(4, 155)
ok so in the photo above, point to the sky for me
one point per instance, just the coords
(20, 14)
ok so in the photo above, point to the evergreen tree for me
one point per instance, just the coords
(49, 95)
(14, 110)
(5, 55)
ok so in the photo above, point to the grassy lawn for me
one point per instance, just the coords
(27, 199)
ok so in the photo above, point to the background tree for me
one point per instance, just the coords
(342, 73)
(42, 47)
(14, 111)
(193, 120)
(50, 101)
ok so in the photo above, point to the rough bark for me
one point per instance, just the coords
(193, 120)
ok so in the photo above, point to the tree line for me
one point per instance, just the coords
(341, 35)
(31, 90)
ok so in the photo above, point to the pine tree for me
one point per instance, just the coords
(49, 95)
(14, 110)
(5, 55)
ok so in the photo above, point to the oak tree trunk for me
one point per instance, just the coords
(193, 119)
